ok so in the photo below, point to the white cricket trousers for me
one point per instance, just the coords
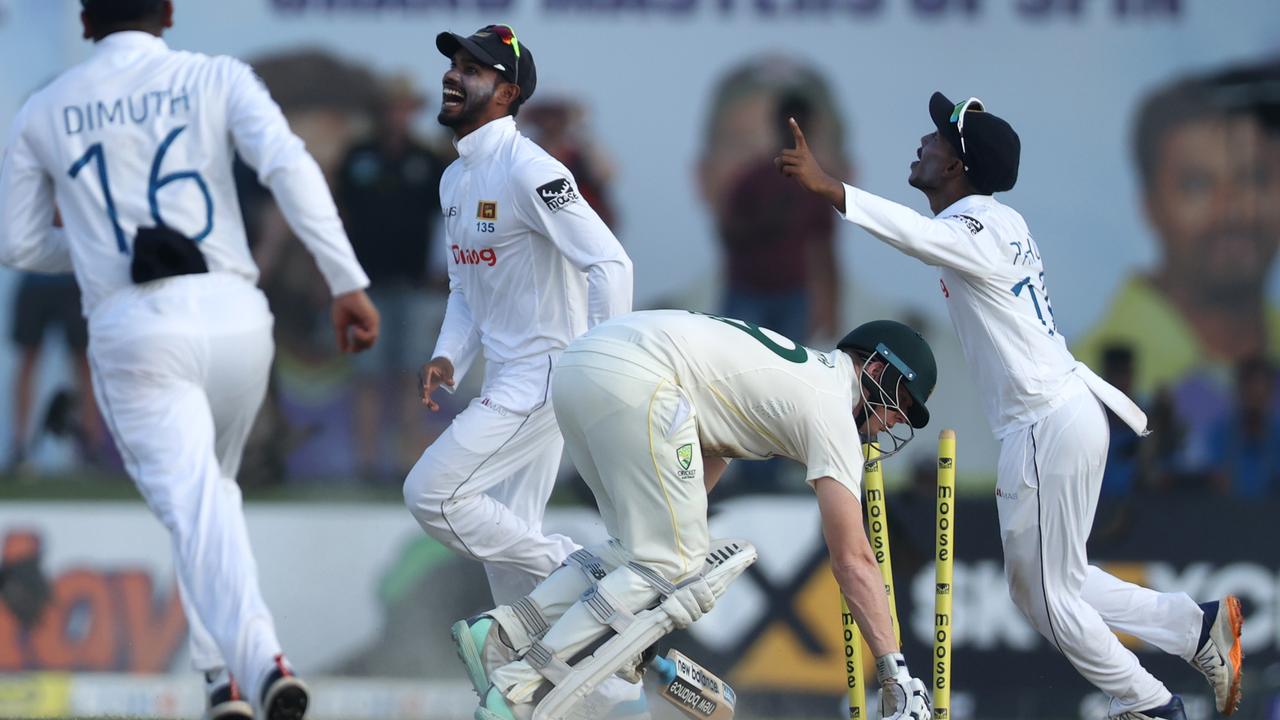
(624, 427)
(481, 489)
(1047, 486)
(180, 368)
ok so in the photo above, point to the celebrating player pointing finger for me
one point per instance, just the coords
(1046, 409)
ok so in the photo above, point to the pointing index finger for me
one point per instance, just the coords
(797, 134)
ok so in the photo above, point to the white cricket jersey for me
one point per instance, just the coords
(994, 283)
(531, 264)
(757, 394)
(138, 135)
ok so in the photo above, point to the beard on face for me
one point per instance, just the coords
(477, 99)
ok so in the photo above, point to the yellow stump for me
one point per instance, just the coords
(878, 527)
(945, 546)
(853, 663)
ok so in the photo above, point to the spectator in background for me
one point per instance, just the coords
(1122, 475)
(559, 126)
(1207, 150)
(388, 189)
(777, 240)
(1247, 440)
(305, 424)
(44, 303)
(760, 217)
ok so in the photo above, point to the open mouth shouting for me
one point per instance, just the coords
(453, 98)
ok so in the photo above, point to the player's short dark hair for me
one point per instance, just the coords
(1244, 90)
(121, 11)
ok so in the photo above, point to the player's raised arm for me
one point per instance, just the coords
(799, 164)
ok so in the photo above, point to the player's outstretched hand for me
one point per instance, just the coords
(432, 375)
(799, 164)
(905, 701)
(355, 320)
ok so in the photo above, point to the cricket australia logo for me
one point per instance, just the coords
(684, 455)
(557, 193)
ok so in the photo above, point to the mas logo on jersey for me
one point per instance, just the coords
(684, 454)
(974, 226)
(487, 210)
(557, 193)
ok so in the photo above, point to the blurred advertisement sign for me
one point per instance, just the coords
(359, 591)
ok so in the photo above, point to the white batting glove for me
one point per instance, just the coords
(902, 697)
(689, 603)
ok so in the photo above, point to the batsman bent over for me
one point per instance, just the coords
(651, 406)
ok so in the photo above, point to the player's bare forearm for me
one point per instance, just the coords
(854, 565)
(863, 588)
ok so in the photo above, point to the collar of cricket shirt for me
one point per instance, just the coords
(127, 40)
(481, 142)
(968, 201)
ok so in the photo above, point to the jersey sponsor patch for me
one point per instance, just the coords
(974, 226)
(557, 193)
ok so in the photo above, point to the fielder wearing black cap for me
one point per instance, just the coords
(1047, 409)
(498, 47)
(986, 144)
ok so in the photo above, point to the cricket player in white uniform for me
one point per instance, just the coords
(134, 147)
(1046, 409)
(652, 405)
(531, 267)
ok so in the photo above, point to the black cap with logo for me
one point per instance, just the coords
(987, 145)
(907, 355)
(498, 47)
(119, 10)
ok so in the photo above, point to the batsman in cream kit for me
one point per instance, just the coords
(133, 148)
(1046, 408)
(652, 406)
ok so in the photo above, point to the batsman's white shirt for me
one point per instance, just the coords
(757, 394)
(139, 135)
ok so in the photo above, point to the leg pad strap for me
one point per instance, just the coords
(541, 658)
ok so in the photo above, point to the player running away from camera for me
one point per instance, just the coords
(1046, 409)
(652, 405)
(134, 146)
(531, 267)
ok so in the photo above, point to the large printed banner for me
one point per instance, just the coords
(358, 591)
(667, 110)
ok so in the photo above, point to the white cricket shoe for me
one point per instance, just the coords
(1220, 659)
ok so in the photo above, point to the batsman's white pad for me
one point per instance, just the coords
(726, 561)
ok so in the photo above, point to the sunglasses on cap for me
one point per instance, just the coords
(957, 118)
(508, 36)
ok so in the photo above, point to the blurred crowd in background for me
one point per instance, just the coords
(1194, 338)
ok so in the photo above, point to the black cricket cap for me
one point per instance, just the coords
(498, 47)
(990, 151)
(907, 355)
(109, 11)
